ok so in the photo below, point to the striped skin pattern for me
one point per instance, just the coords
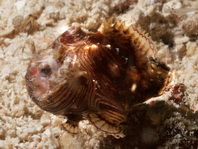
(97, 76)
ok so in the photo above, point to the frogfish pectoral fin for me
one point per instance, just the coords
(72, 124)
(107, 121)
(71, 127)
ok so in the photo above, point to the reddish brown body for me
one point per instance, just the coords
(96, 76)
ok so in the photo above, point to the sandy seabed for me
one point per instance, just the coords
(27, 27)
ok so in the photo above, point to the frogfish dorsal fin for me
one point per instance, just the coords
(118, 30)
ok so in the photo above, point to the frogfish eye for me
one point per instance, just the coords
(45, 71)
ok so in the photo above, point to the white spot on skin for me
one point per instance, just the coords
(94, 47)
(117, 49)
(133, 87)
(95, 81)
(108, 46)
